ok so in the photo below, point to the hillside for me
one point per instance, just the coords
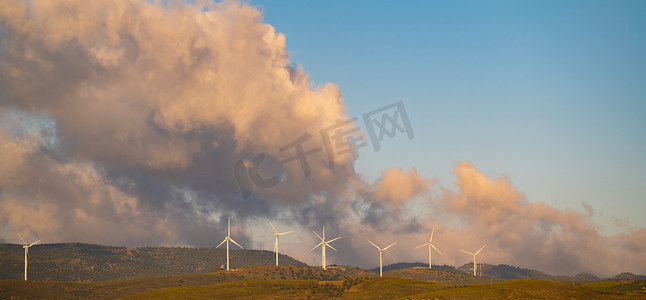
(122, 288)
(441, 275)
(87, 262)
(264, 283)
(406, 265)
(627, 276)
(503, 271)
(489, 271)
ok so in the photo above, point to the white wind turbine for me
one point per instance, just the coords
(380, 255)
(429, 244)
(324, 244)
(276, 243)
(474, 258)
(24, 245)
(227, 239)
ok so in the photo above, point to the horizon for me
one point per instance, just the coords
(145, 123)
(422, 265)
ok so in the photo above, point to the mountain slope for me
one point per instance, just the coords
(503, 271)
(121, 288)
(406, 265)
(254, 283)
(627, 276)
(446, 276)
(87, 262)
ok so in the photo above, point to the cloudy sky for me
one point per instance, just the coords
(149, 123)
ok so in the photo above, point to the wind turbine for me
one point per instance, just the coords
(276, 243)
(474, 258)
(24, 245)
(323, 244)
(227, 239)
(380, 255)
(429, 244)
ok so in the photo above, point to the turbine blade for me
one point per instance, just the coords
(23, 241)
(389, 246)
(436, 249)
(481, 249)
(34, 243)
(317, 235)
(272, 226)
(332, 240)
(331, 247)
(319, 244)
(467, 252)
(374, 245)
(432, 235)
(286, 232)
(225, 239)
(229, 228)
(230, 239)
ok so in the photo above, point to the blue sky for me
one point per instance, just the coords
(551, 94)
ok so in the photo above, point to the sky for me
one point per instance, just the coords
(550, 94)
(151, 123)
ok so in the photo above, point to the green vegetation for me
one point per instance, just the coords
(397, 288)
(446, 276)
(153, 273)
(535, 289)
(123, 288)
(86, 262)
(352, 283)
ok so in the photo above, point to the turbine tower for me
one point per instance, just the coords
(430, 245)
(24, 245)
(474, 258)
(276, 243)
(324, 244)
(227, 239)
(380, 255)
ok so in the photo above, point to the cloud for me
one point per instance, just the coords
(397, 187)
(121, 123)
(151, 105)
(532, 234)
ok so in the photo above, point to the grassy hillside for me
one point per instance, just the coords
(399, 288)
(122, 288)
(447, 276)
(503, 271)
(86, 262)
(406, 265)
(286, 282)
(490, 271)
(540, 289)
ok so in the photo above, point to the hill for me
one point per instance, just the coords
(441, 275)
(261, 283)
(400, 288)
(406, 265)
(503, 271)
(626, 276)
(122, 288)
(87, 262)
(586, 277)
